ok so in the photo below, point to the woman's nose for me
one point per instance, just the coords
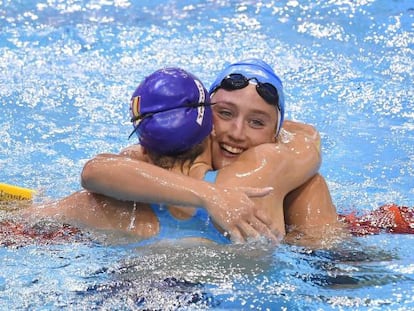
(237, 130)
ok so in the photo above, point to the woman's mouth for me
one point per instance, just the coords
(234, 151)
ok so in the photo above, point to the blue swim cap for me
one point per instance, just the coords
(255, 68)
(171, 111)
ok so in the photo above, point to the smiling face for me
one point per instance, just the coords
(242, 119)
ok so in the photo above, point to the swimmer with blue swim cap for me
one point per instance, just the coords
(255, 71)
(171, 112)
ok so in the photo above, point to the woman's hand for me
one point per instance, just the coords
(238, 216)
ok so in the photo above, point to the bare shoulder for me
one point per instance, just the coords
(135, 152)
(299, 127)
(305, 139)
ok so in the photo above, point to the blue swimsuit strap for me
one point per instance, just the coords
(199, 225)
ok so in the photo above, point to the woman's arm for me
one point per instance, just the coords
(283, 166)
(309, 209)
(127, 179)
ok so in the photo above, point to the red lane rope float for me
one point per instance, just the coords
(389, 218)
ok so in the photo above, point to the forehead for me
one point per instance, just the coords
(246, 99)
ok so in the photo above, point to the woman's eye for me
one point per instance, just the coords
(225, 114)
(255, 123)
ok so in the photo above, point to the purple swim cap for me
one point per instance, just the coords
(171, 111)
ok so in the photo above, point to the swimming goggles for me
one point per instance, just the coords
(137, 117)
(237, 81)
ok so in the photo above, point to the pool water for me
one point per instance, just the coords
(67, 70)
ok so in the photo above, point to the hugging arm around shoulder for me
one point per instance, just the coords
(280, 166)
(309, 210)
(127, 179)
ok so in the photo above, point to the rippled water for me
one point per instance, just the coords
(67, 69)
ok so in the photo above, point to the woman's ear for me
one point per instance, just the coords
(213, 132)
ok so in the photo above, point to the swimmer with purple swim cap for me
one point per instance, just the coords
(172, 117)
(171, 114)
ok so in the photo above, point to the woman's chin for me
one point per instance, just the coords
(223, 161)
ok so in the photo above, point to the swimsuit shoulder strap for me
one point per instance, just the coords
(209, 176)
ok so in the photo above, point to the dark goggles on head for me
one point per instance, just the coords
(237, 81)
(139, 117)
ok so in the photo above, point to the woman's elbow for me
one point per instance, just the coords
(89, 174)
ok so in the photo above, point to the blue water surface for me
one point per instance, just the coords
(67, 70)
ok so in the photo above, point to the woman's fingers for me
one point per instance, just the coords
(256, 229)
(236, 236)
